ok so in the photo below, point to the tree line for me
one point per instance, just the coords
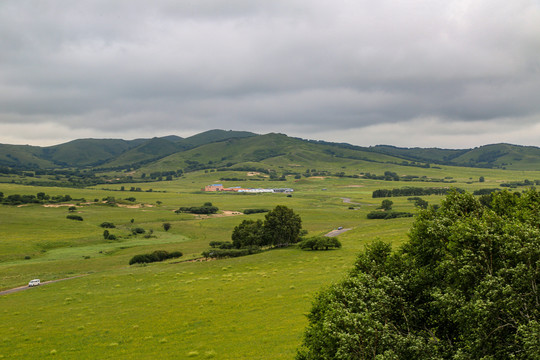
(39, 198)
(412, 191)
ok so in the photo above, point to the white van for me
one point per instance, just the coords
(34, 282)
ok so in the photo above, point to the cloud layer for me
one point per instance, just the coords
(414, 73)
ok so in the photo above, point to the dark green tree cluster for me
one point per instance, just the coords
(39, 198)
(465, 286)
(206, 209)
(107, 225)
(74, 217)
(219, 253)
(319, 243)
(255, 211)
(411, 191)
(281, 227)
(158, 255)
(387, 214)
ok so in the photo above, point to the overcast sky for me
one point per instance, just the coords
(451, 74)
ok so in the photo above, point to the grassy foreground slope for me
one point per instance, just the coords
(241, 308)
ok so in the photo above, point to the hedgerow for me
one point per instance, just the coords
(158, 255)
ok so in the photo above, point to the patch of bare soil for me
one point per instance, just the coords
(135, 206)
(57, 205)
(223, 214)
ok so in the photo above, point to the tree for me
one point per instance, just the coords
(281, 227)
(247, 233)
(166, 226)
(72, 209)
(106, 234)
(320, 243)
(465, 286)
(421, 203)
(387, 204)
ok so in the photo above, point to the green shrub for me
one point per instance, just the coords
(158, 255)
(320, 243)
(225, 253)
(255, 211)
(74, 217)
(137, 230)
(221, 244)
(388, 214)
(107, 225)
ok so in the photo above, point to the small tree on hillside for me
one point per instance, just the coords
(281, 227)
(387, 204)
(247, 233)
(166, 226)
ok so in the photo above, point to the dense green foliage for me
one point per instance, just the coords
(411, 191)
(206, 209)
(465, 286)
(107, 225)
(319, 243)
(388, 214)
(230, 253)
(74, 217)
(155, 256)
(281, 227)
(39, 198)
(255, 211)
(248, 233)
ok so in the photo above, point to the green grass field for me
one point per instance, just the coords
(243, 308)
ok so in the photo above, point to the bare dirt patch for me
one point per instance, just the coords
(135, 206)
(57, 205)
(222, 214)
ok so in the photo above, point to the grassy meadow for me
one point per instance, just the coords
(250, 307)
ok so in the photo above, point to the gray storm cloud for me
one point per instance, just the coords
(357, 71)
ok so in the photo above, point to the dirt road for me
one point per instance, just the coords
(26, 287)
(337, 232)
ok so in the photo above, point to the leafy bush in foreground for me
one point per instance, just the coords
(158, 255)
(465, 286)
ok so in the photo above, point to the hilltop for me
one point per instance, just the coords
(220, 148)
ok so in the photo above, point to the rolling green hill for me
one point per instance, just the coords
(215, 135)
(86, 152)
(419, 154)
(221, 148)
(23, 156)
(149, 150)
(502, 156)
(271, 151)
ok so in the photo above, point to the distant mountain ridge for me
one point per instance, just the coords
(222, 147)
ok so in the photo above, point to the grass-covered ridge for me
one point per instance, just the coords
(219, 148)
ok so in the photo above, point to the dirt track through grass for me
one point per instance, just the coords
(26, 287)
